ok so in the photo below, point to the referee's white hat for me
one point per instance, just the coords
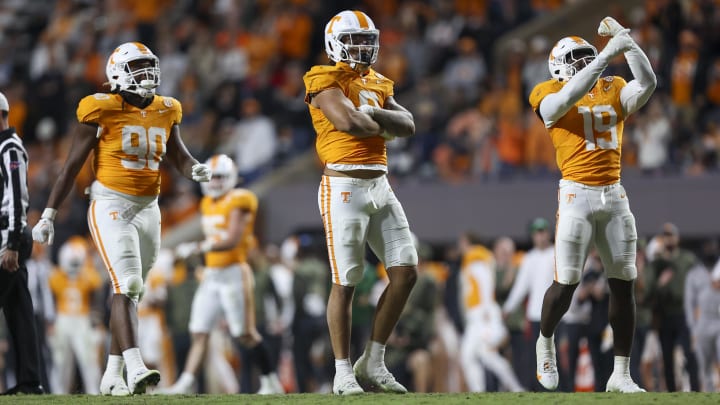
(4, 106)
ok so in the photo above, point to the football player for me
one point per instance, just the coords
(584, 114)
(228, 221)
(354, 113)
(73, 284)
(130, 130)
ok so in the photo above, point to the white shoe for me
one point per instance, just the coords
(547, 372)
(270, 384)
(346, 385)
(379, 377)
(114, 386)
(622, 383)
(140, 379)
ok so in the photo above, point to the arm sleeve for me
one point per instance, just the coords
(555, 105)
(636, 93)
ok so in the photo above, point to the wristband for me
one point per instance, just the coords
(49, 213)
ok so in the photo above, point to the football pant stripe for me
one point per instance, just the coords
(325, 201)
(101, 248)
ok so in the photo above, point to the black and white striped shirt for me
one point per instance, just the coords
(14, 192)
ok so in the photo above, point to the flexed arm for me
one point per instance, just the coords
(393, 118)
(554, 106)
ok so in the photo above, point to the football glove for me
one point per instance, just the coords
(186, 249)
(201, 172)
(609, 27)
(44, 232)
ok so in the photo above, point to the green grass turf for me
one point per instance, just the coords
(381, 399)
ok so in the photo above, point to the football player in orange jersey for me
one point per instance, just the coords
(584, 115)
(228, 221)
(130, 130)
(354, 113)
(74, 339)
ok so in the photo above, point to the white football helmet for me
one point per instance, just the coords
(224, 176)
(351, 37)
(569, 56)
(124, 74)
(73, 256)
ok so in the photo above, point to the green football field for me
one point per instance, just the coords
(381, 399)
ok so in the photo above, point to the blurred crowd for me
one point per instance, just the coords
(237, 66)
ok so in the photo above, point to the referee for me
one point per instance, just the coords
(15, 249)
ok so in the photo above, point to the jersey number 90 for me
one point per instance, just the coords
(145, 146)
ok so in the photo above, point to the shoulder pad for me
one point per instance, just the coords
(541, 90)
(320, 78)
(89, 107)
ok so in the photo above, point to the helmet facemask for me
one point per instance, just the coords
(359, 47)
(142, 76)
(569, 56)
(351, 37)
(578, 58)
(133, 68)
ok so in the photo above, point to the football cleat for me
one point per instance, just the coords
(379, 377)
(140, 379)
(114, 386)
(346, 385)
(547, 372)
(622, 383)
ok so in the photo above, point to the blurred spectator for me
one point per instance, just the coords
(535, 275)
(666, 277)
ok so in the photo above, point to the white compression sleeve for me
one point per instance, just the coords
(555, 105)
(636, 93)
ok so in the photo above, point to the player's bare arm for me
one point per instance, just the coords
(394, 118)
(178, 155)
(341, 112)
(237, 223)
(84, 141)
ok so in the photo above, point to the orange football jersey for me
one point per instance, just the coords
(132, 140)
(334, 146)
(588, 138)
(476, 291)
(215, 223)
(74, 294)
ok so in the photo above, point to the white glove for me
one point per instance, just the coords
(618, 44)
(201, 172)
(609, 27)
(44, 232)
(186, 249)
(367, 109)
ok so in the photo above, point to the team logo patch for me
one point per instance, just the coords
(167, 102)
(14, 165)
(346, 196)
